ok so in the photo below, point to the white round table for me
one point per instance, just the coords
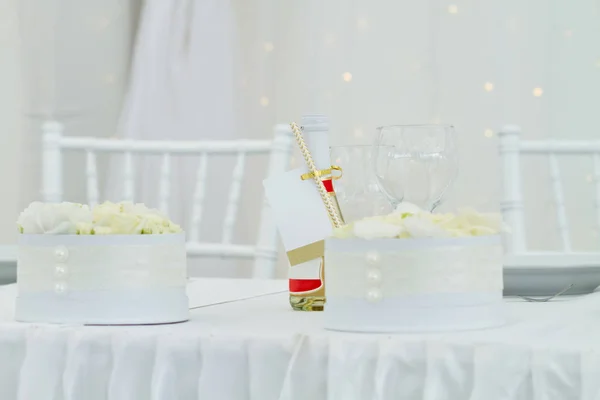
(259, 349)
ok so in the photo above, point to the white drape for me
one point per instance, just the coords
(10, 121)
(74, 58)
(180, 89)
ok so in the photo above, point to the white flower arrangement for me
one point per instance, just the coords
(123, 218)
(409, 221)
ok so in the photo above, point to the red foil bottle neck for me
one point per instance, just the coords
(328, 183)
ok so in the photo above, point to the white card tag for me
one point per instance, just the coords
(297, 209)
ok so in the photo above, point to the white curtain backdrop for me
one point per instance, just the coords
(180, 89)
(10, 123)
(209, 68)
(75, 58)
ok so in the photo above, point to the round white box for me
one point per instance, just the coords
(104, 280)
(413, 285)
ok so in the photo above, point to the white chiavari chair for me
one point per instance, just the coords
(263, 252)
(544, 269)
(512, 148)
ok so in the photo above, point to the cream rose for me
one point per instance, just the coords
(410, 222)
(105, 210)
(84, 228)
(371, 229)
(103, 230)
(104, 219)
(120, 223)
(53, 218)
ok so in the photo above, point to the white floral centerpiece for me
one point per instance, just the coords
(415, 271)
(409, 221)
(108, 218)
(114, 263)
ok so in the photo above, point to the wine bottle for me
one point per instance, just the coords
(306, 280)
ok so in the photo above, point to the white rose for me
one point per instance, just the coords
(152, 220)
(127, 218)
(84, 228)
(121, 223)
(376, 228)
(126, 206)
(408, 221)
(51, 218)
(133, 208)
(141, 209)
(407, 208)
(470, 217)
(163, 224)
(423, 226)
(458, 232)
(174, 228)
(477, 230)
(343, 232)
(150, 226)
(103, 230)
(105, 210)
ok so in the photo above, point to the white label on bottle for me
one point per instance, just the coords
(297, 209)
(307, 270)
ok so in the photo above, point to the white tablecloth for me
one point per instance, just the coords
(260, 349)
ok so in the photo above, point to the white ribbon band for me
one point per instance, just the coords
(80, 263)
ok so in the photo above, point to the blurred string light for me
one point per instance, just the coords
(109, 79)
(264, 101)
(358, 133)
(589, 178)
(452, 9)
(488, 133)
(7, 23)
(568, 33)
(347, 76)
(330, 39)
(598, 63)
(362, 24)
(488, 86)
(538, 92)
(512, 24)
(102, 23)
(268, 46)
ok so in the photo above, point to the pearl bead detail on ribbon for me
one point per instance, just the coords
(372, 258)
(374, 295)
(374, 276)
(60, 271)
(60, 288)
(61, 253)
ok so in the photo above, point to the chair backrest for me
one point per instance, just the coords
(511, 148)
(264, 252)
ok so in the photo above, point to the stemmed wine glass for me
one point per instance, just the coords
(415, 163)
(358, 193)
